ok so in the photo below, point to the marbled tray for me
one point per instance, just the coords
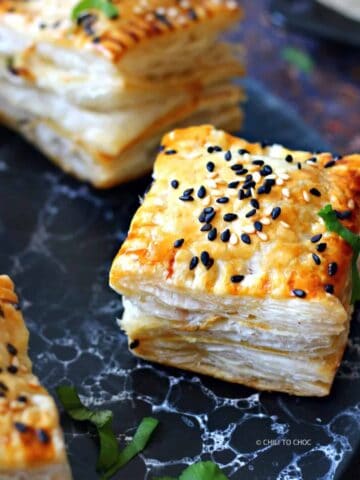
(58, 238)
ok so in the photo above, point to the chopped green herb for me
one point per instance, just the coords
(333, 224)
(106, 6)
(137, 445)
(111, 459)
(299, 59)
(200, 471)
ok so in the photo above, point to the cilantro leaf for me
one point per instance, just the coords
(111, 459)
(333, 224)
(299, 59)
(200, 471)
(106, 6)
(137, 445)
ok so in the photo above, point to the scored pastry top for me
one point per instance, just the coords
(30, 436)
(226, 217)
(137, 22)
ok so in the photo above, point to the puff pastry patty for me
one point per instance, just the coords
(229, 270)
(31, 440)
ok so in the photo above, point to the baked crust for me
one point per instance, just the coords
(262, 278)
(30, 436)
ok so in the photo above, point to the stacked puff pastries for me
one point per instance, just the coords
(228, 269)
(97, 95)
(31, 442)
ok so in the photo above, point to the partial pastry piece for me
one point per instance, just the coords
(31, 441)
(348, 8)
(228, 269)
(96, 94)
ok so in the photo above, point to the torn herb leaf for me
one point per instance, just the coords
(105, 6)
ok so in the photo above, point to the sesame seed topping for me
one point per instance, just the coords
(230, 217)
(266, 170)
(234, 239)
(174, 184)
(258, 226)
(265, 221)
(212, 234)
(289, 158)
(237, 167)
(225, 235)
(201, 192)
(178, 243)
(299, 166)
(258, 162)
(284, 224)
(306, 196)
(330, 164)
(186, 198)
(210, 149)
(20, 427)
(329, 288)
(217, 148)
(316, 238)
(316, 259)
(245, 238)
(243, 151)
(275, 213)
(43, 436)
(206, 228)
(12, 369)
(134, 344)
(346, 214)
(237, 278)
(233, 184)
(263, 236)
(193, 263)
(228, 156)
(222, 200)
(205, 257)
(170, 152)
(321, 247)
(210, 166)
(315, 192)
(251, 213)
(22, 399)
(332, 269)
(11, 349)
(286, 192)
(299, 293)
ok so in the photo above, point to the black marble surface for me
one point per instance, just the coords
(58, 237)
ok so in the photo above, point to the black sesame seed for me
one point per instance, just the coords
(265, 188)
(209, 216)
(258, 162)
(22, 399)
(210, 150)
(312, 159)
(210, 263)
(258, 226)
(11, 349)
(209, 210)
(225, 236)
(315, 192)
(12, 369)
(243, 151)
(330, 164)
(201, 192)
(237, 278)
(178, 243)
(241, 172)
(248, 177)
(332, 269)
(210, 166)
(316, 259)
(20, 427)
(344, 215)
(266, 170)
(251, 213)
(247, 193)
(275, 213)
(222, 200)
(228, 156)
(202, 217)
(316, 238)
(206, 228)
(321, 247)
(289, 158)
(338, 157)
(241, 195)
(161, 148)
(299, 166)
(233, 184)
(188, 192)
(174, 184)
(254, 203)
(43, 436)
(269, 182)
(217, 148)
(212, 234)
(299, 293)
(245, 238)
(134, 344)
(237, 167)
(230, 217)
(249, 184)
(186, 198)
(329, 288)
(193, 263)
(170, 152)
(204, 257)
(3, 387)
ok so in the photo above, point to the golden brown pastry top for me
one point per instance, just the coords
(254, 231)
(29, 426)
(138, 21)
